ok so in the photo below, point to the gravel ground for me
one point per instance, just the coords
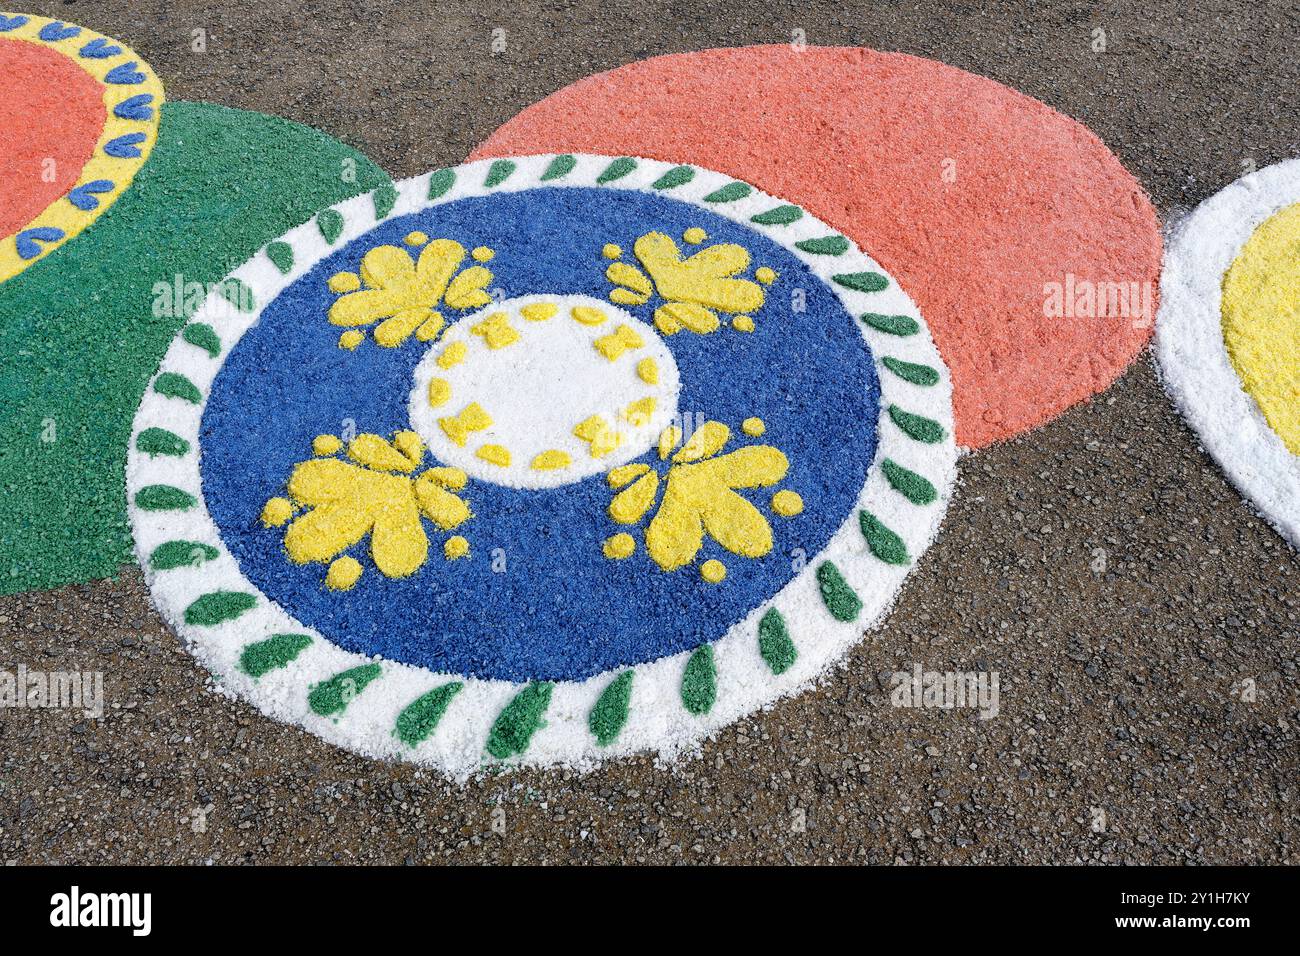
(1101, 565)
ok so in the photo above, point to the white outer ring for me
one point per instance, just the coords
(1194, 361)
(657, 720)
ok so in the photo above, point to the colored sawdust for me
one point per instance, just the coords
(51, 116)
(980, 200)
(83, 332)
(529, 384)
(1261, 321)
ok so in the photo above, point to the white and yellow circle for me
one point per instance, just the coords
(1261, 321)
(1228, 335)
(544, 390)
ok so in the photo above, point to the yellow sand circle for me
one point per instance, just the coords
(1261, 321)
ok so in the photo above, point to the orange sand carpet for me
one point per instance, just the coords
(51, 115)
(1033, 254)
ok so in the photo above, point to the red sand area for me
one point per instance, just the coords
(51, 109)
(977, 198)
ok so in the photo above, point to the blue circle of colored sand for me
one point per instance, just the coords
(537, 599)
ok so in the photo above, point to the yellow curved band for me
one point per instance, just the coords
(1261, 321)
(119, 170)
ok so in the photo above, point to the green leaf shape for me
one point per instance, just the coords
(730, 192)
(420, 718)
(262, 657)
(862, 281)
(499, 172)
(181, 554)
(825, 246)
(774, 642)
(892, 324)
(778, 216)
(560, 167)
(840, 599)
(384, 199)
(616, 170)
(915, 426)
(884, 544)
(677, 176)
(219, 606)
(204, 336)
(610, 712)
(164, 498)
(332, 696)
(330, 224)
(440, 181)
(519, 720)
(908, 483)
(281, 255)
(174, 385)
(911, 371)
(700, 681)
(159, 441)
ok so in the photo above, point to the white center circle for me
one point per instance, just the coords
(544, 390)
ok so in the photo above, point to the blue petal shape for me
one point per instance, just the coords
(28, 240)
(124, 147)
(82, 197)
(136, 108)
(99, 49)
(11, 23)
(125, 73)
(53, 32)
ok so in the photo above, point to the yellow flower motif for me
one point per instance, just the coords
(700, 497)
(403, 293)
(375, 493)
(695, 288)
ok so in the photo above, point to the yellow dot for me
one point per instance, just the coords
(343, 574)
(695, 235)
(638, 413)
(276, 512)
(344, 282)
(496, 330)
(611, 251)
(620, 546)
(416, 238)
(648, 371)
(439, 392)
(539, 311)
(455, 547)
(765, 275)
(753, 427)
(713, 571)
(787, 503)
(452, 355)
(743, 323)
(325, 444)
(495, 455)
(551, 460)
(587, 315)
(482, 254)
(351, 339)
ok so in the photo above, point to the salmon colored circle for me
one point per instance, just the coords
(50, 119)
(1033, 254)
